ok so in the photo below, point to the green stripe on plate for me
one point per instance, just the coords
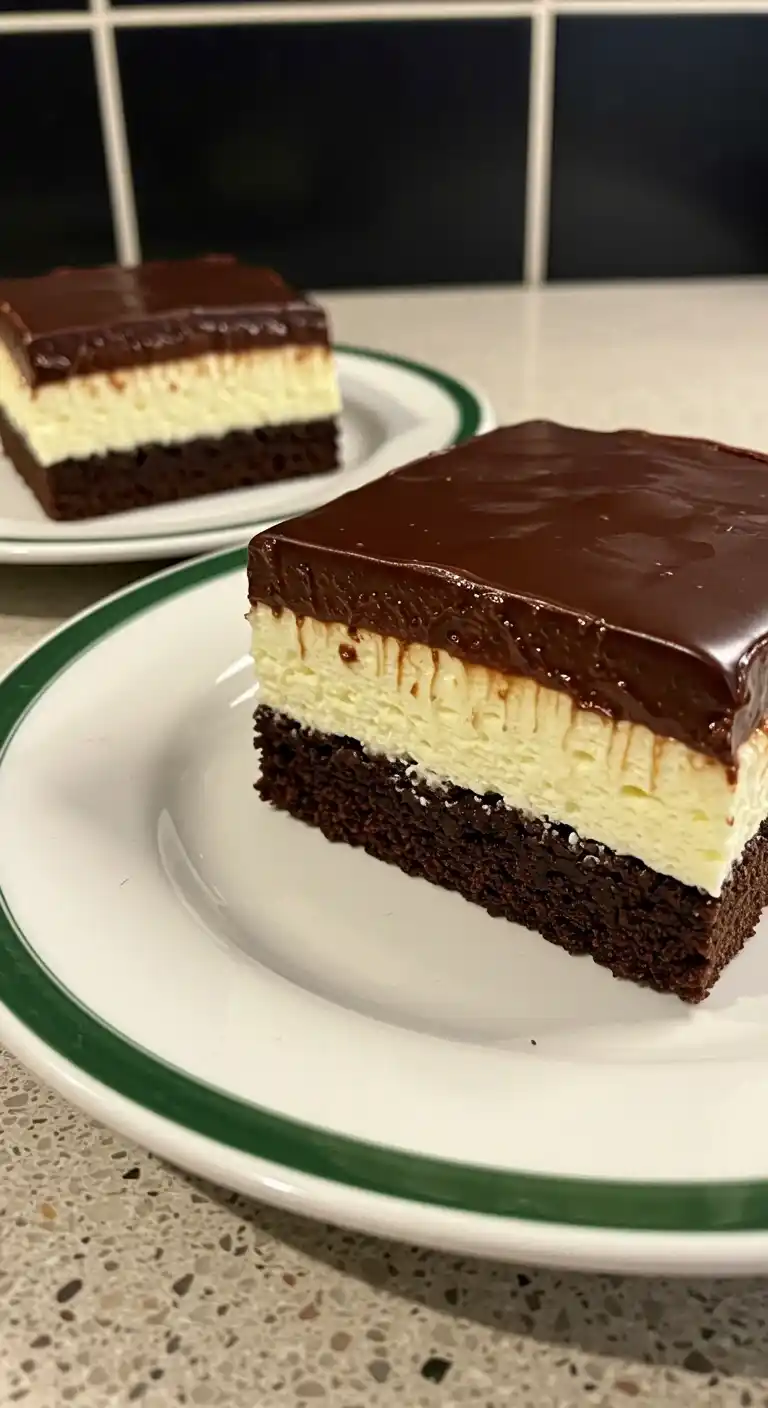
(34, 996)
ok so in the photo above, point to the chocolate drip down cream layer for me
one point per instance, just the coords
(168, 402)
(73, 322)
(678, 810)
(626, 569)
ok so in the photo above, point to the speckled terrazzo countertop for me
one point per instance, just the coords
(123, 1281)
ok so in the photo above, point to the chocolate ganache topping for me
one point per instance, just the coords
(75, 321)
(629, 570)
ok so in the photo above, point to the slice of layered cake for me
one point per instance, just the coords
(121, 388)
(534, 669)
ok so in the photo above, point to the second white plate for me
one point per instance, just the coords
(394, 411)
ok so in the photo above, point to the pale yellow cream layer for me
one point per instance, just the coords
(616, 783)
(169, 402)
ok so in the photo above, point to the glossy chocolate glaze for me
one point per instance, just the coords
(629, 570)
(75, 321)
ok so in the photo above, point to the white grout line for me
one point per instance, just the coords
(45, 23)
(114, 135)
(660, 8)
(341, 11)
(541, 99)
(319, 11)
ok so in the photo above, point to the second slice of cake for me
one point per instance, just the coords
(534, 669)
(123, 388)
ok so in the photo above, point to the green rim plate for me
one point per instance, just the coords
(55, 1016)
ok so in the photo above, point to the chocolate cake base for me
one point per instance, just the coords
(642, 925)
(159, 474)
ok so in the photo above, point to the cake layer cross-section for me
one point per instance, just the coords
(122, 388)
(564, 631)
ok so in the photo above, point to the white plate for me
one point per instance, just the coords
(305, 1024)
(394, 411)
